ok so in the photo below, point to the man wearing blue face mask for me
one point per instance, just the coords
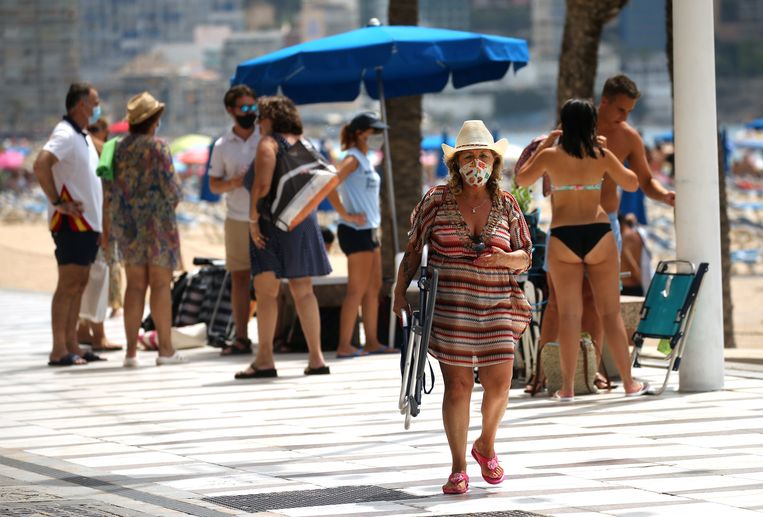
(65, 169)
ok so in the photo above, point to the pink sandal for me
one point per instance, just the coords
(489, 463)
(455, 479)
(149, 340)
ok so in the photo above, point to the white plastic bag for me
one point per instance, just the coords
(190, 336)
(95, 299)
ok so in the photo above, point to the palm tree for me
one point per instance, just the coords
(404, 118)
(584, 21)
(728, 304)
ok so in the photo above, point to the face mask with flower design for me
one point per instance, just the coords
(475, 173)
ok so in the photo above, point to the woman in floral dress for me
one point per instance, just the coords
(144, 194)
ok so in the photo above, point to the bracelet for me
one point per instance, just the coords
(254, 221)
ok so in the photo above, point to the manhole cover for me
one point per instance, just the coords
(508, 513)
(305, 498)
(61, 510)
(21, 494)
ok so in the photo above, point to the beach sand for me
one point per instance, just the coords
(26, 255)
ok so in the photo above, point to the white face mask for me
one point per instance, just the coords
(375, 142)
(475, 173)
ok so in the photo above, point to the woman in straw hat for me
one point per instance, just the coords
(581, 236)
(478, 240)
(144, 194)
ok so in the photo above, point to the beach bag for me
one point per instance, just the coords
(301, 180)
(95, 298)
(585, 370)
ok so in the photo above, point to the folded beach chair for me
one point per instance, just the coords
(416, 331)
(667, 312)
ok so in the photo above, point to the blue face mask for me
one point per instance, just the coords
(95, 116)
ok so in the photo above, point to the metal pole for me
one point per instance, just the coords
(697, 200)
(388, 161)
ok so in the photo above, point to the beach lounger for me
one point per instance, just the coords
(416, 331)
(667, 312)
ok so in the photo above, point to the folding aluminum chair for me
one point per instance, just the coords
(416, 331)
(667, 312)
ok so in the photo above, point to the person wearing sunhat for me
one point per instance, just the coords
(144, 194)
(478, 240)
(356, 200)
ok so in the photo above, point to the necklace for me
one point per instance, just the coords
(475, 208)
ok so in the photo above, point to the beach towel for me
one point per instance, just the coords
(105, 170)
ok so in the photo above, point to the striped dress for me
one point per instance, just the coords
(480, 313)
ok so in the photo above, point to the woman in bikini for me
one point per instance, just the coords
(581, 238)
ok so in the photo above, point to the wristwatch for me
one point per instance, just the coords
(57, 201)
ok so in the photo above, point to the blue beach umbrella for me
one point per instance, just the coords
(390, 61)
(755, 124)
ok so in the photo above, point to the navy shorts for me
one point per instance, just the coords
(76, 248)
(354, 241)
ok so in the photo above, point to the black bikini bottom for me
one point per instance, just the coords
(581, 238)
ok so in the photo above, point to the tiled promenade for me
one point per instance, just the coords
(176, 440)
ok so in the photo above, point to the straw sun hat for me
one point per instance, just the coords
(474, 135)
(141, 107)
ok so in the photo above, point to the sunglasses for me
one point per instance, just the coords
(477, 244)
(248, 108)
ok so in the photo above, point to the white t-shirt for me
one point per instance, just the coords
(75, 178)
(231, 157)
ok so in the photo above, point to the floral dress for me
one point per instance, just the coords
(144, 194)
(480, 312)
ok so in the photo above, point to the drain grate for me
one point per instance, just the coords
(306, 498)
(508, 513)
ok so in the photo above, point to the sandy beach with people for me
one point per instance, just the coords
(26, 255)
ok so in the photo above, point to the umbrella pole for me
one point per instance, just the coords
(388, 161)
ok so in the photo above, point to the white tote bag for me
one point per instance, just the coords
(95, 299)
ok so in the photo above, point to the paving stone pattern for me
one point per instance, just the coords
(181, 440)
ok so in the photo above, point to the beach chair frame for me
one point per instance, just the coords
(526, 358)
(417, 328)
(671, 294)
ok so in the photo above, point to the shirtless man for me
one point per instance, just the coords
(618, 98)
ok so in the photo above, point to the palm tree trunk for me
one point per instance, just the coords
(578, 60)
(728, 303)
(404, 118)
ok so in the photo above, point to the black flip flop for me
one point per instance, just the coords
(67, 360)
(257, 374)
(90, 357)
(239, 347)
(321, 370)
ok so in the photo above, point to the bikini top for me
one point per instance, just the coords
(559, 188)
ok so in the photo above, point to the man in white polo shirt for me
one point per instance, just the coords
(232, 155)
(65, 169)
